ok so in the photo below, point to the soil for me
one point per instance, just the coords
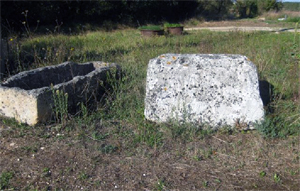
(109, 156)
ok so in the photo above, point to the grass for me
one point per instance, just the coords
(5, 179)
(151, 27)
(116, 140)
(275, 55)
(166, 25)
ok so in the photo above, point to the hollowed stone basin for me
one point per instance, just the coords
(28, 97)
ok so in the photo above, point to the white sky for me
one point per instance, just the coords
(291, 1)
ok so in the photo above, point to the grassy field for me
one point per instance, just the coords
(115, 148)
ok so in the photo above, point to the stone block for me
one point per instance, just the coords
(214, 89)
(28, 96)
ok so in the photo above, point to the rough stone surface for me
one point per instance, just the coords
(214, 89)
(28, 96)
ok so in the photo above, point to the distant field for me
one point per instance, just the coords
(291, 6)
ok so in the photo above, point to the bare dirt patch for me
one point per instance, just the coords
(111, 157)
(259, 22)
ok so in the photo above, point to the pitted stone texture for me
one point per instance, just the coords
(214, 89)
(27, 96)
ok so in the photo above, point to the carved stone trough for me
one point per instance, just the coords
(28, 96)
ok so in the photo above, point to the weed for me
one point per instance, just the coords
(108, 149)
(160, 185)
(46, 172)
(5, 178)
(30, 149)
(197, 158)
(99, 137)
(172, 25)
(84, 110)
(149, 134)
(276, 178)
(207, 153)
(262, 174)
(205, 184)
(293, 19)
(151, 27)
(60, 105)
(83, 176)
(218, 180)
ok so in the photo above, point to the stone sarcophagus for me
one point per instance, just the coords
(214, 89)
(28, 96)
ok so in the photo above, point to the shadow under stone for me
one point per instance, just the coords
(266, 91)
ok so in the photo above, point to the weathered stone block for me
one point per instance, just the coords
(214, 89)
(28, 96)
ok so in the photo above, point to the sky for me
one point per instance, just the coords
(291, 1)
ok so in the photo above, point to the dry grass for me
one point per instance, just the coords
(44, 159)
(275, 15)
(268, 19)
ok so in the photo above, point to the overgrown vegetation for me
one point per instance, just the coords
(291, 6)
(5, 179)
(151, 27)
(77, 16)
(276, 56)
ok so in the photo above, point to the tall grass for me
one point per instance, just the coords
(275, 55)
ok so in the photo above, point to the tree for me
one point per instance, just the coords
(268, 5)
(246, 8)
(215, 9)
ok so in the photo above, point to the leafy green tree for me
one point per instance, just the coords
(246, 8)
(269, 5)
(215, 9)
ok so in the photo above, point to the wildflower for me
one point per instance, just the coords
(165, 88)
(11, 39)
(72, 48)
(23, 22)
(169, 63)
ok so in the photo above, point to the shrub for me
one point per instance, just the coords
(151, 27)
(166, 25)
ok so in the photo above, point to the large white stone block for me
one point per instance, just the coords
(215, 89)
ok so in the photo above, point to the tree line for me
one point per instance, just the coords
(17, 13)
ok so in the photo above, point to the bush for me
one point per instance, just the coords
(246, 8)
(293, 19)
(166, 25)
(151, 27)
